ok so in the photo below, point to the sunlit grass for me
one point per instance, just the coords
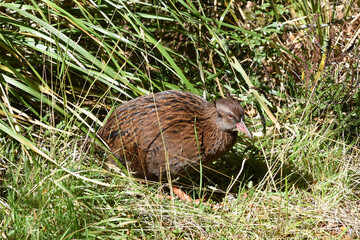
(64, 68)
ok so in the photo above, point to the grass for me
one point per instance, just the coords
(44, 201)
(66, 66)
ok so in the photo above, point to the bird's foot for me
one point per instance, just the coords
(182, 196)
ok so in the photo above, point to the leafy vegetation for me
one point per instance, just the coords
(65, 66)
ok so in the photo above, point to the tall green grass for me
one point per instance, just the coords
(65, 66)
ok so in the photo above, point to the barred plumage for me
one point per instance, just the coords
(147, 131)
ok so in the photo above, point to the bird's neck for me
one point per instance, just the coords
(218, 142)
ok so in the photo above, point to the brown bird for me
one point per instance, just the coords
(174, 127)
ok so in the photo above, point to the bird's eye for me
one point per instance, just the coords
(230, 116)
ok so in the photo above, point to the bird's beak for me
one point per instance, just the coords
(242, 127)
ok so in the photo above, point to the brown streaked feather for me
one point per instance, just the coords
(148, 131)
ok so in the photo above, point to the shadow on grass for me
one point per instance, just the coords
(221, 174)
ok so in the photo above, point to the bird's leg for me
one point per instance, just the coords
(178, 192)
(185, 197)
(181, 194)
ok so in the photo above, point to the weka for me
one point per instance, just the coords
(175, 126)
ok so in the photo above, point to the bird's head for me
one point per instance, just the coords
(230, 116)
